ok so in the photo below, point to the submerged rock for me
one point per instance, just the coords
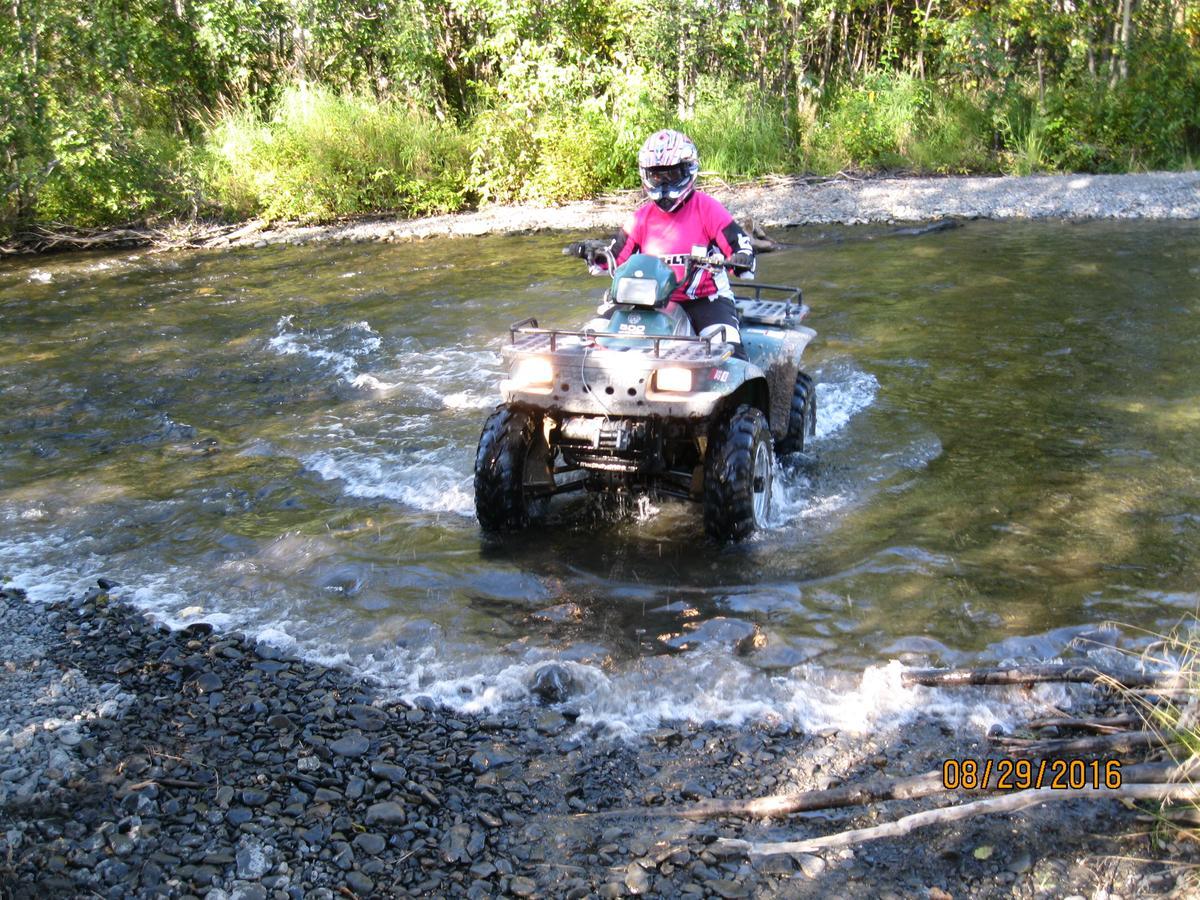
(553, 683)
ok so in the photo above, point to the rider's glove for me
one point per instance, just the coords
(742, 263)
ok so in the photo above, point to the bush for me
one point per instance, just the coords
(739, 133)
(576, 152)
(109, 174)
(319, 155)
(952, 135)
(1149, 120)
(871, 124)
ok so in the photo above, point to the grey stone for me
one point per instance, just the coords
(351, 744)
(521, 886)
(636, 879)
(255, 797)
(359, 883)
(487, 758)
(811, 866)
(552, 683)
(252, 861)
(209, 682)
(1021, 863)
(387, 812)
(239, 815)
(371, 844)
(483, 870)
(728, 889)
(389, 772)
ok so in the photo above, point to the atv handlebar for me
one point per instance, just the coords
(593, 252)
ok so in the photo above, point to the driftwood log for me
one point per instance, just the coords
(872, 790)
(1122, 742)
(1005, 803)
(1033, 675)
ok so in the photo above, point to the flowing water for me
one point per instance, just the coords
(281, 441)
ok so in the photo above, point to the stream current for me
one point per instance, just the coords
(281, 441)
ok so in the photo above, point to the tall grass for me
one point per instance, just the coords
(741, 134)
(1174, 717)
(319, 155)
(869, 124)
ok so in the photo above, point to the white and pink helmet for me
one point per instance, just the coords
(668, 163)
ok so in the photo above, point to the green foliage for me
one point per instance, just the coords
(118, 110)
(320, 155)
(128, 176)
(1023, 130)
(872, 123)
(740, 133)
(1151, 119)
(952, 135)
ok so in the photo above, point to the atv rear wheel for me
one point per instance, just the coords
(513, 477)
(738, 474)
(802, 421)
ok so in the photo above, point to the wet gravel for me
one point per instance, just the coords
(140, 762)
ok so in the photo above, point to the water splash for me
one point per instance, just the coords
(337, 349)
(421, 479)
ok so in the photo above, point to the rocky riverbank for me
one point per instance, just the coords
(775, 203)
(143, 762)
(795, 202)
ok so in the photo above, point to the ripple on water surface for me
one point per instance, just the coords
(1002, 460)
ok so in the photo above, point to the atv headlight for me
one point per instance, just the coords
(533, 371)
(673, 378)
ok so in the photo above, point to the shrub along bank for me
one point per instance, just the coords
(118, 112)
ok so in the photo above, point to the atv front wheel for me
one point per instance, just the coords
(512, 468)
(738, 471)
(802, 421)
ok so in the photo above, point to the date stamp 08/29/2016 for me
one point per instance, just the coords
(1023, 774)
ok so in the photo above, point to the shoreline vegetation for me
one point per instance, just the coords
(775, 203)
(119, 117)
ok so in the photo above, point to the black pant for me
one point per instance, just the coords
(714, 310)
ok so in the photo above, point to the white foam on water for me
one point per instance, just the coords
(38, 276)
(420, 480)
(277, 638)
(708, 686)
(840, 401)
(321, 345)
(469, 400)
(371, 383)
(165, 596)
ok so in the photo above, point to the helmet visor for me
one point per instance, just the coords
(660, 180)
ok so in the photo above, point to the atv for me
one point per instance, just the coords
(636, 402)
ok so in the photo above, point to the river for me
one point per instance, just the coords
(280, 441)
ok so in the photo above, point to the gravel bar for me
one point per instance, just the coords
(797, 201)
(136, 761)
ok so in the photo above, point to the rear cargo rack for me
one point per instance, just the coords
(526, 337)
(769, 304)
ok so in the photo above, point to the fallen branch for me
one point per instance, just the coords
(873, 790)
(1103, 724)
(1006, 803)
(1124, 742)
(1029, 675)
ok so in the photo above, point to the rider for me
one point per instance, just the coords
(676, 219)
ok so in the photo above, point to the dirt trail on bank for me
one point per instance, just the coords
(782, 203)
